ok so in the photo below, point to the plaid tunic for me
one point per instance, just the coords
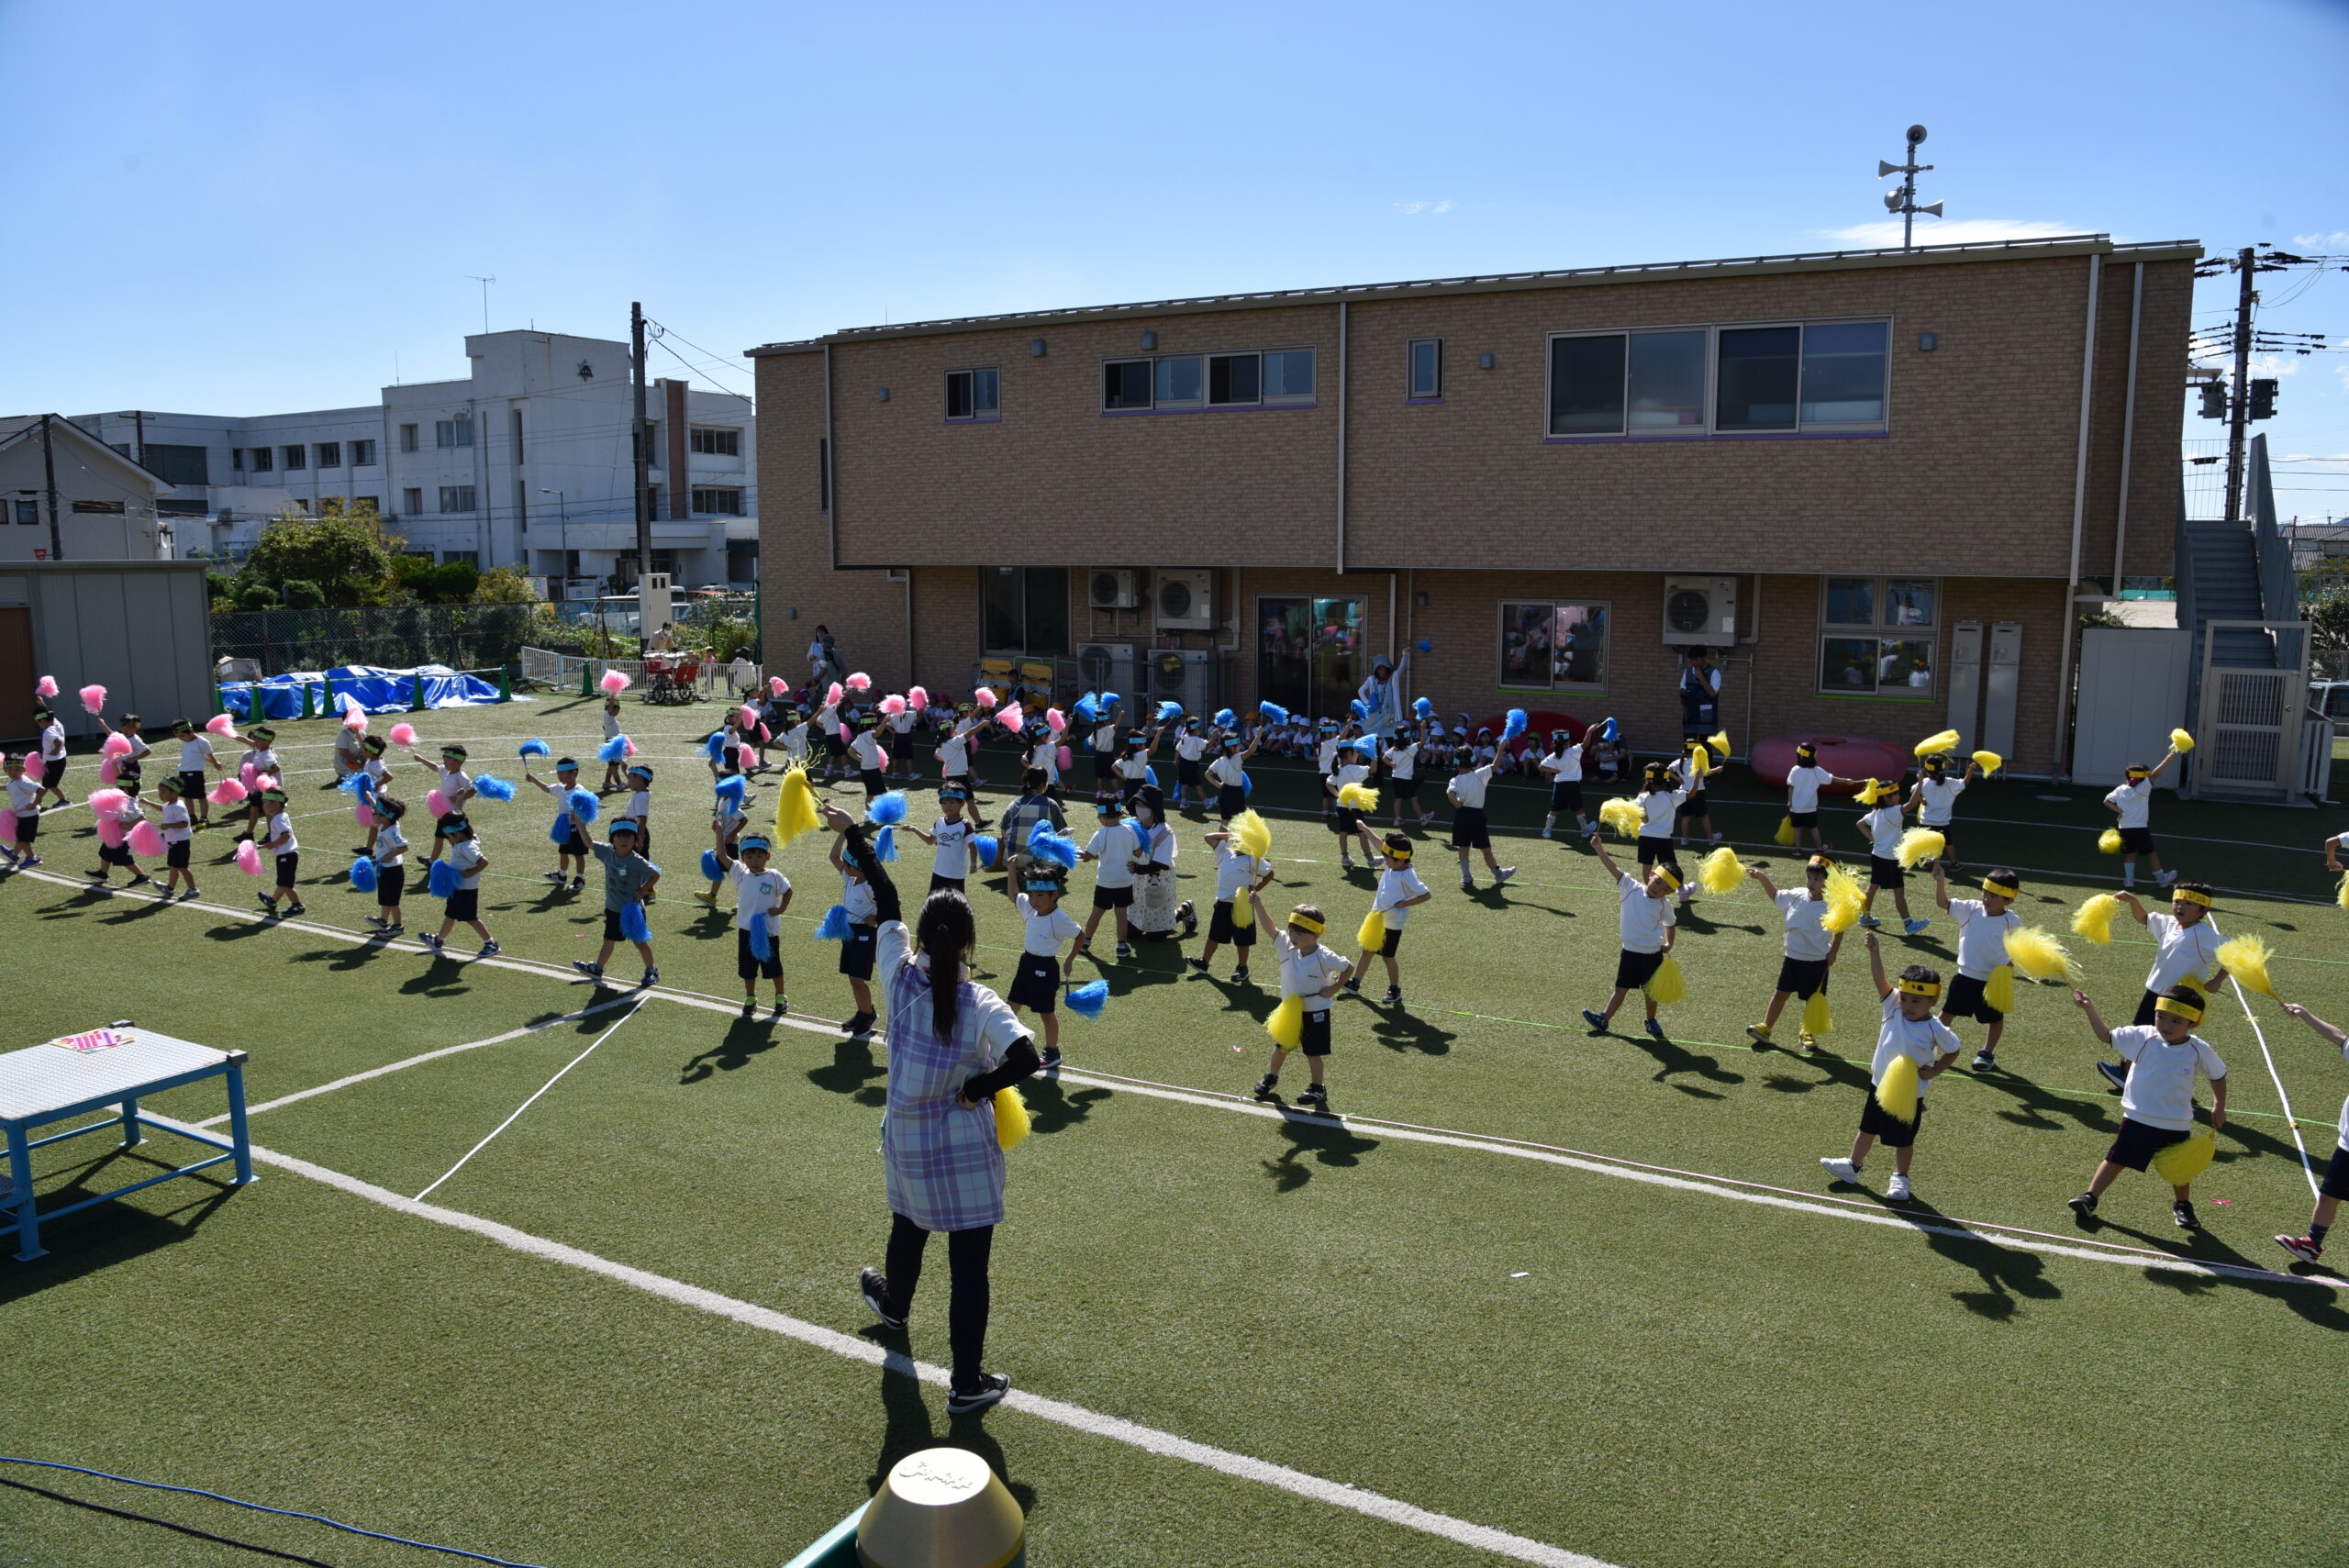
(945, 1167)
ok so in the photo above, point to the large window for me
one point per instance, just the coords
(293, 456)
(1271, 378)
(1877, 636)
(456, 497)
(362, 454)
(1817, 378)
(458, 432)
(179, 464)
(974, 395)
(725, 500)
(265, 459)
(1023, 610)
(1309, 653)
(712, 441)
(407, 438)
(1554, 645)
(329, 454)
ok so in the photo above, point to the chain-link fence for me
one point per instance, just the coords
(575, 673)
(463, 637)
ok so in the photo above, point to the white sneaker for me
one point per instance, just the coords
(1842, 1171)
(1898, 1191)
(1545, 832)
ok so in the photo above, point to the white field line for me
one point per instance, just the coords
(526, 1105)
(2315, 1187)
(1092, 1422)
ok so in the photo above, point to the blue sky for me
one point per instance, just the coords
(247, 208)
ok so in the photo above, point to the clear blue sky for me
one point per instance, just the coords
(247, 208)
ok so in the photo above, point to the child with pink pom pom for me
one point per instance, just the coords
(21, 801)
(899, 718)
(179, 838)
(121, 814)
(614, 778)
(259, 758)
(453, 786)
(139, 751)
(197, 760)
(871, 760)
(53, 753)
(278, 839)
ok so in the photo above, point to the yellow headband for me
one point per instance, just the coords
(1665, 872)
(1402, 854)
(2141, 772)
(1919, 987)
(2192, 895)
(2003, 889)
(2187, 1010)
(1308, 923)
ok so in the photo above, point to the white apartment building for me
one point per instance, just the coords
(526, 462)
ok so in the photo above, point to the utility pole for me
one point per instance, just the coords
(1902, 198)
(642, 446)
(2239, 406)
(49, 473)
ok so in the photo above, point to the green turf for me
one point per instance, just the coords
(1646, 1374)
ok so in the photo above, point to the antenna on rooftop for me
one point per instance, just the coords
(486, 282)
(1902, 198)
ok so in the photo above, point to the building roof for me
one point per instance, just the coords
(15, 428)
(1496, 283)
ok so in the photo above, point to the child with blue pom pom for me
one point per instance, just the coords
(1037, 986)
(390, 874)
(1402, 763)
(951, 836)
(640, 808)
(628, 877)
(613, 755)
(861, 901)
(727, 820)
(760, 895)
(1190, 745)
(571, 852)
(1114, 847)
(1228, 773)
(466, 859)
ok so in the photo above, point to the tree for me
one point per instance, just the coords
(346, 553)
(504, 585)
(303, 594)
(2328, 616)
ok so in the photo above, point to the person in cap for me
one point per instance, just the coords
(1021, 819)
(1934, 801)
(571, 853)
(466, 859)
(1190, 775)
(2156, 1095)
(2309, 1246)
(951, 836)
(1402, 762)
(2186, 952)
(615, 773)
(1114, 847)
(456, 787)
(1811, 947)
(1910, 1029)
(1562, 764)
(1647, 928)
(1805, 780)
(1103, 743)
(1133, 768)
(51, 730)
(1984, 925)
(129, 729)
(278, 839)
(1382, 695)
(1228, 773)
(1659, 800)
(871, 758)
(196, 762)
(1045, 929)
(2131, 802)
(1312, 972)
(760, 895)
(628, 878)
(179, 838)
(389, 848)
(124, 816)
(379, 781)
(1238, 878)
(1399, 892)
(953, 753)
(23, 805)
(1689, 771)
(1882, 825)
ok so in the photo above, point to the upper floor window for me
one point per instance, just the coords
(295, 457)
(724, 500)
(265, 459)
(458, 432)
(711, 441)
(407, 438)
(1818, 377)
(972, 394)
(1425, 367)
(1180, 381)
(362, 454)
(237, 458)
(1877, 636)
(329, 454)
(456, 497)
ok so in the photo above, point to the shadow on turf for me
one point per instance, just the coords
(96, 1238)
(909, 1428)
(744, 1039)
(853, 1071)
(1671, 1059)
(1322, 1140)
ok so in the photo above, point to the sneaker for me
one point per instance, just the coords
(750, 1007)
(989, 1390)
(1869, 922)
(1394, 997)
(1315, 1097)
(1897, 1190)
(2302, 1247)
(297, 908)
(1809, 1043)
(1240, 975)
(490, 948)
(2182, 1211)
(1353, 987)
(1264, 1085)
(2113, 1073)
(1911, 928)
(2084, 1206)
(708, 900)
(1984, 1061)
(1714, 839)
(433, 944)
(1503, 874)
(781, 1005)
(1759, 1034)
(266, 902)
(2165, 878)
(1196, 965)
(1842, 1170)
(141, 880)
(1345, 863)
(1125, 950)
(29, 860)
(554, 876)
(1597, 1021)
(1654, 1026)
(98, 876)
(651, 977)
(376, 922)
(1467, 885)
(1545, 832)
(577, 883)
(874, 1288)
(1051, 1057)
(592, 971)
(393, 929)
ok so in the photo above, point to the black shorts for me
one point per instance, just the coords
(1394, 943)
(1655, 850)
(288, 866)
(28, 828)
(2145, 1009)
(2336, 1176)
(1112, 897)
(1036, 985)
(2137, 841)
(191, 786)
(391, 883)
(857, 950)
(1403, 789)
(575, 845)
(612, 926)
(1230, 800)
(1346, 821)
(1881, 1124)
(1634, 969)
(1187, 771)
(749, 965)
(834, 746)
(1803, 977)
(464, 905)
(2137, 1143)
(117, 856)
(175, 855)
(941, 884)
(1886, 874)
(1566, 794)
(1220, 928)
(1964, 1000)
(1315, 1040)
(50, 771)
(874, 785)
(1693, 807)
(1469, 829)
(1803, 819)
(1104, 764)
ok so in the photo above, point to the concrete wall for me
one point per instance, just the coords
(138, 628)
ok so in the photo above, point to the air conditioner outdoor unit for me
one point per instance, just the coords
(1111, 667)
(1111, 588)
(1701, 612)
(1182, 676)
(1186, 600)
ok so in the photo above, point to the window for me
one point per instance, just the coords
(1310, 651)
(1125, 384)
(1180, 381)
(1234, 378)
(412, 501)
(1877, 636)
(724, 500)
(456, 497)
(28, 512)
(1549, 645)
(265, 459)
(522, 507)
(1288, 375)
(362, 454)
(329, 454)
(457, 432)
(179, 466)
(1667, 383)
(1825, 377)
(1843, 372)
(713, 442)
(460, 558)
(369, 504)
(332, 503)
(823, 474)
(514, 423)
(112, 508)
(970, 394)
(293, 456)
(407, 438)
(1426, 358)
(1023, 610)
(1586, 385)
(1184, 382)
(167, 508)
(1758, 377)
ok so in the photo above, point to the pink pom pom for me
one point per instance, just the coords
(916, 698)
(354, 718)
(103, 801)
(108, 772)
(746, 757)
(403, 734)
(109, 832)
(363, 814)
(983, 696)
(228, 792)
(1056, 720)
(882, 752)
(747, 717)
(268, 782)
(249, 858)
(221, 723)
(46, 687)
(845, 735)
(893, 706)
(146, 841)
(763, 736)
(248, 775)
(436, 803)
(116, 746)
(94, 699)
(1067, 762)
(614, 682)
(1011, 719)
(631, 746)
(832, 697)
(777, 685)
(8, 827)
(859, 682)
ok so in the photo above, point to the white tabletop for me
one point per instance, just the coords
(41, 1078)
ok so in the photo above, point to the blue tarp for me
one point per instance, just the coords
(376, 691)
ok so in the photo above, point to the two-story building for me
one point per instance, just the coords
(1874, 483)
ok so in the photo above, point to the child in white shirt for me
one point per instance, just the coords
(2310, 1247)
(570, 851)
(1402, 761)
(179, 838)
(1647, 928)
(1399, 891)
(1114, 846)
(465, 857)
(2157, 1095)
(1228, 773)
(196, 761)
(1470, 829)
(1238, 877)
(1310, 971)
(1044, 926)
(278, 839)
(951, 836)
(1883, 827)
(760, 895)
(1984, 925)
(1811, 947)
(1934, 800)
(390, 845)
(615, 779)
(1190, 745)
(53, 754)
(2132, 802)
(23, 805)
(1659, 803)
(1909, 1030)
(1562, 764)
(1804, 780)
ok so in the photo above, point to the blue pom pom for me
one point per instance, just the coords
(1046, 844)
(353, 784)
(985, 847)
(561, 832)
(1608, 731)
(885, 845)
(1423, 708)
(1225, 718)
(634, 927)
(710, 868)
(362, 875)
(534, 746)
(834, 927)
(1359, 708)
(1085, 708)
(715, 747)
(1150, 775)
(442, 879)
(1273, 712)
(729, 790)
(1109, 700)
(613, 751)
(1169, 709)
(761, 944)
(887, 811)
(1247, 786)
(1087, 1000)
(1424, 646)
(491, 787)
(585, 802)
(1513, 726)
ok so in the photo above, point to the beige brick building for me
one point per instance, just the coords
(1872, 450)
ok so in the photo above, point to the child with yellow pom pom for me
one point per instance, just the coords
(1399, 889)
(1983, 925)
(1804, 780)
(1349, 767)
(2132, 802)
(1909, 1031)
(1311, 973)
(1882, 826)
(2186, 952)
(1811, 947)
(1647, 928)
(1934, 800)
(2311, 1247)
(1237, 876)
(2158, 1095)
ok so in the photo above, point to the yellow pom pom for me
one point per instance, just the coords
(1719, 742)
(2342, 897)
(1700, 762)
(1845, 901)
(1873, 791)
(1989, 762)
(1785, 836)
(1251, 835)
(2181, 1163)
(2041, 956)
(1361, 797)
(2180, 741)
(2109, 841)
(1373, 935)
(1243, 915)
(1668, 985)
(794, 808)
(1919, 845)
(1896, 1092)
(1287, 1026)
(1622, 813)
(1998, 991)
(2246, 958)
(1719, 871)
(2094, 919)
(1815, 1019)
(1011, 1122)
(1932, 744)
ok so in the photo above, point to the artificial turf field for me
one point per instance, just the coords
(1593, 1293)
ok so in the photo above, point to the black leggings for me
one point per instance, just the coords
(967, 1303)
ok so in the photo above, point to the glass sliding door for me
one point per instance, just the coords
(1309, 653)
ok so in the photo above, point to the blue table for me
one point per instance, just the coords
(102, 1070)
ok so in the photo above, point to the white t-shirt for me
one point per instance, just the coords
(1467, 789)
(175, 823)
(1327, 755)
(457, 785)
(1808, 937)
(640, 807)
(2134, 802)
(1229, 771)
(466, 856)
(2159, 1090)
(756, 893)
(390, 844)
(1644, 919)
(866, 750)
(1135, 765)
(1046, 755)
(1305, 973)
(1114, 845)
(22, 793)
(1924, 1041)
(377, 773)
(953, 859)
(1937, 800)
(1658, 807)
(955, 751)
(1803, 784)
(794, 742)
(856, 896)
(1190, 746)
(1353, 772)
(2181, 951)
(1235, 874)
(281, 824)
(53, 741)
(195, 755)
(1045, 933)
(1394, 886)
(1105, 738)
(1883, 827)
(1402, 760)
(1565, 764)
(901, 723)
(262, 760)
(1981, 936)
(611, 724)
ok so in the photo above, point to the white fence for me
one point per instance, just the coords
(563, 672)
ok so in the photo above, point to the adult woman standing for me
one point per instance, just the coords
(951, 1046)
